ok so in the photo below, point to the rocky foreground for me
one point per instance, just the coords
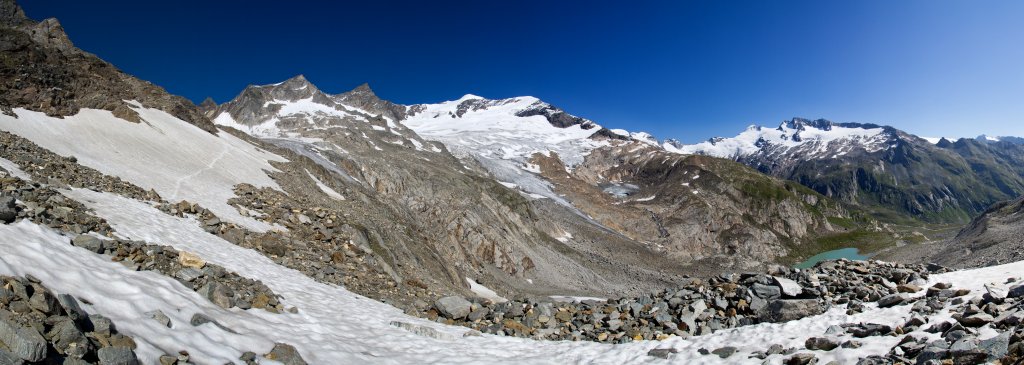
(728, 301)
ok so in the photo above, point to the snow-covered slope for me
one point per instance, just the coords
(177, 159)
(810, 139)
(334, 326)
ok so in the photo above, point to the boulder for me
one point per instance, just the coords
(790, 309)
(88, 242)
(285, 354)
(893, 300)
(117, 355)
(454, 307)
(8, 211)
(188, 259)
(789, 287)
(802, 359)
(24, 342)
(662, 353)
(767, 292)
(821, 343)
(976, 320)
(1016, 292)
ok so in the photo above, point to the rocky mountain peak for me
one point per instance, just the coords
(362, 97)
(208, 107)
(802, 124)
(12, 15)
(295, 88)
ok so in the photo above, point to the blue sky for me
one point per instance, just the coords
(679, 69)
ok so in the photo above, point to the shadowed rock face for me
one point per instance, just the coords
(994, 237)
(364, 98)
(41, 70)
(694, 208)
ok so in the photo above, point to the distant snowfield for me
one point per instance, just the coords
(335, 326)
(816, 140)
(503, 142)
(164, 153)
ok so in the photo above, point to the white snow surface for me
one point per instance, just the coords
(501, 141)
(817, 142)
(14, 169)
(484, 292)
(334, 326)
(178, 160)
(324, 188)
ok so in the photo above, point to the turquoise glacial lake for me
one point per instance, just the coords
(849, 253)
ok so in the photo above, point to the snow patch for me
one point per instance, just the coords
(484, 292)
(324, 188)
(13, 169)
(177, 159)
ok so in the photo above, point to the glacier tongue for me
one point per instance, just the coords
(492, 133)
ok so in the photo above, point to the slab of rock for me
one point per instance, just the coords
(454, 307)
(117, 355)
(7, 358)
(802, 359)
(88, 242)
(285, 354)
(661, 353)
(868, 329)
(768, 292)
(1016, 292)
(790, 309)
(893, 300)
(424, 331)
(24, 342)
(821, 343)
(724, 352)
(789, 287)
(8, 211)
(189, 259)
(908, 288)
(976, 320)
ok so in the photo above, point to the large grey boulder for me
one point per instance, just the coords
(789, 287)
(24, 342)
(893, 300)
(790, 309)
(88, 242)
(117, 355)
(768, 292)
(454, 307)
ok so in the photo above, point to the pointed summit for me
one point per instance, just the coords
(365, 87)
(295, 88)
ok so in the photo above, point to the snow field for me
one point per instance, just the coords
(178, 160)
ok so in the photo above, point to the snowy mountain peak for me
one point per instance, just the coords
(808, 138)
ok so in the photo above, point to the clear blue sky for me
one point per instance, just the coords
(680, 69)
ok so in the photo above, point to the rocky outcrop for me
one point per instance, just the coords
(994, 237)
(37, 324)
(41, 70)
(693, 208)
